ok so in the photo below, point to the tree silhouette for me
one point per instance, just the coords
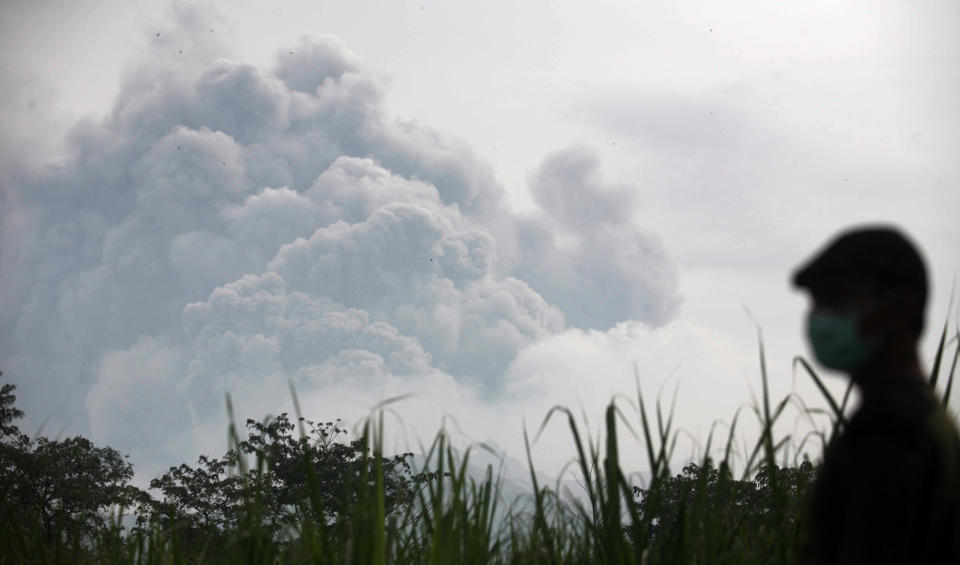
(66, 486)
(672, 504)
(8, 413)
(205, 502)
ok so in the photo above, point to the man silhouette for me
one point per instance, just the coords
(889, 487)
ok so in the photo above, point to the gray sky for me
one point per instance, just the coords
(499, 207)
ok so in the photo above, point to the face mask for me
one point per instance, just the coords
(837, 342)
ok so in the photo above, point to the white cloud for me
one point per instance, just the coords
(227, 228)
(311, 62)
(139, 400)
(610, 270)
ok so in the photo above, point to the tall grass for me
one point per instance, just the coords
(703, 515)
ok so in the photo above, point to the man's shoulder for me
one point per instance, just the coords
(940, 429)
(910, 430)
(909, 423)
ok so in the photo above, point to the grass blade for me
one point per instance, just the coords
(935, 371)
(837, 412)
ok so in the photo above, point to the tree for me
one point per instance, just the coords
(705, 505)
(7, 411)
(65, 486)
(199, 504)
(206, 501)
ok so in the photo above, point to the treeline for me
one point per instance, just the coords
(302, 491)
(71, 497)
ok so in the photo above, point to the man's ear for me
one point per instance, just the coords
(886, 315)
(874, 321)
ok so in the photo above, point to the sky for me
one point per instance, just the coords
(492, 207)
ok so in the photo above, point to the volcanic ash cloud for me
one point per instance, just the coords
(227, 228)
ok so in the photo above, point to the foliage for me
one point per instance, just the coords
(8, 413)
(205, 502)
(63, 488)
(735, 507)
(198, 503)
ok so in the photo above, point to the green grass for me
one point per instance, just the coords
(703, 515)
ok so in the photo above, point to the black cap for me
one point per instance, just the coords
(880, 253)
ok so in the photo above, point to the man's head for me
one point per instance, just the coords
(869, 290)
